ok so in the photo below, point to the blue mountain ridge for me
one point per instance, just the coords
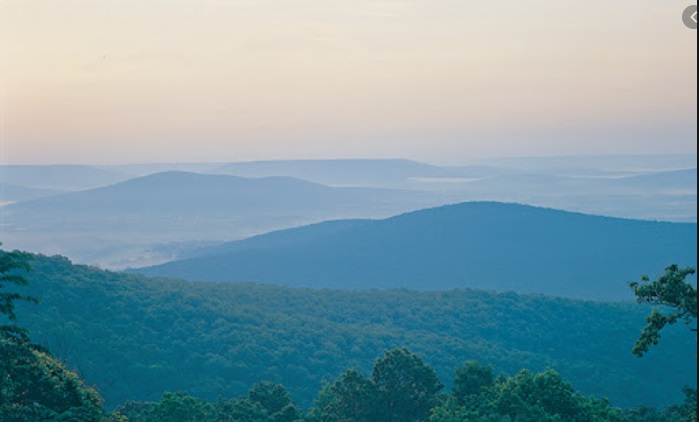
(488, 245)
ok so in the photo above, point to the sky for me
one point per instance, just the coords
(122, 81)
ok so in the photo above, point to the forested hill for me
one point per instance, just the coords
(134, 337)
(477, 245)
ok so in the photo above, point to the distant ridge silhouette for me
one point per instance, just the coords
(487, 245)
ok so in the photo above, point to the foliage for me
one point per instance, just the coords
(173, 407)
(275, 402)
(352, 397)
(266, 402)
(542, 397)
(685, 412)
(407, 387)
(137, 337)
(402, 388)
(471, 379)
(524, 397)
(12, 264)
(34, 386)
(671, 292)
(240, 410)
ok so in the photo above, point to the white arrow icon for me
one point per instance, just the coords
(689, 17)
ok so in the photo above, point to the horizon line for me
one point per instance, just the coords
(354, 158)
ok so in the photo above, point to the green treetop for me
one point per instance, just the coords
(670, 291)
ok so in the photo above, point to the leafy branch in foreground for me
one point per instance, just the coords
(11, 266)
(670, 291)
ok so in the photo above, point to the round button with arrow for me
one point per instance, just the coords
(689, 17)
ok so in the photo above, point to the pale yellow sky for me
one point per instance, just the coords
(107, 81)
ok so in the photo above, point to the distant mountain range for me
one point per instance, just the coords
(145, 214)
(643, 187)
(492, 246)
(367, 173)
(664, 195)
(596, 164)
(186, 207)
(59, 177)
(404, 173)
(181, 193)
(677, 179)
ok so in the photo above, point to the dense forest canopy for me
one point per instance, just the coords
(402, 387)
(34, 386)
(135, 338)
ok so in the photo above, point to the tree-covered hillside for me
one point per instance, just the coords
(484, 245)
(135, 337)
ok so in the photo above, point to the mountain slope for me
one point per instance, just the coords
(478, 245)
(180, 193)
(135, 337)
(276, 239)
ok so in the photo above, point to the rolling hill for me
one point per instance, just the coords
(493, 246)
(276, 239)
(185, 195)
(116, 220)
(121, 221)
(135, 337)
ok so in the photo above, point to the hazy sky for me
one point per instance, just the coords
(110, 81)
